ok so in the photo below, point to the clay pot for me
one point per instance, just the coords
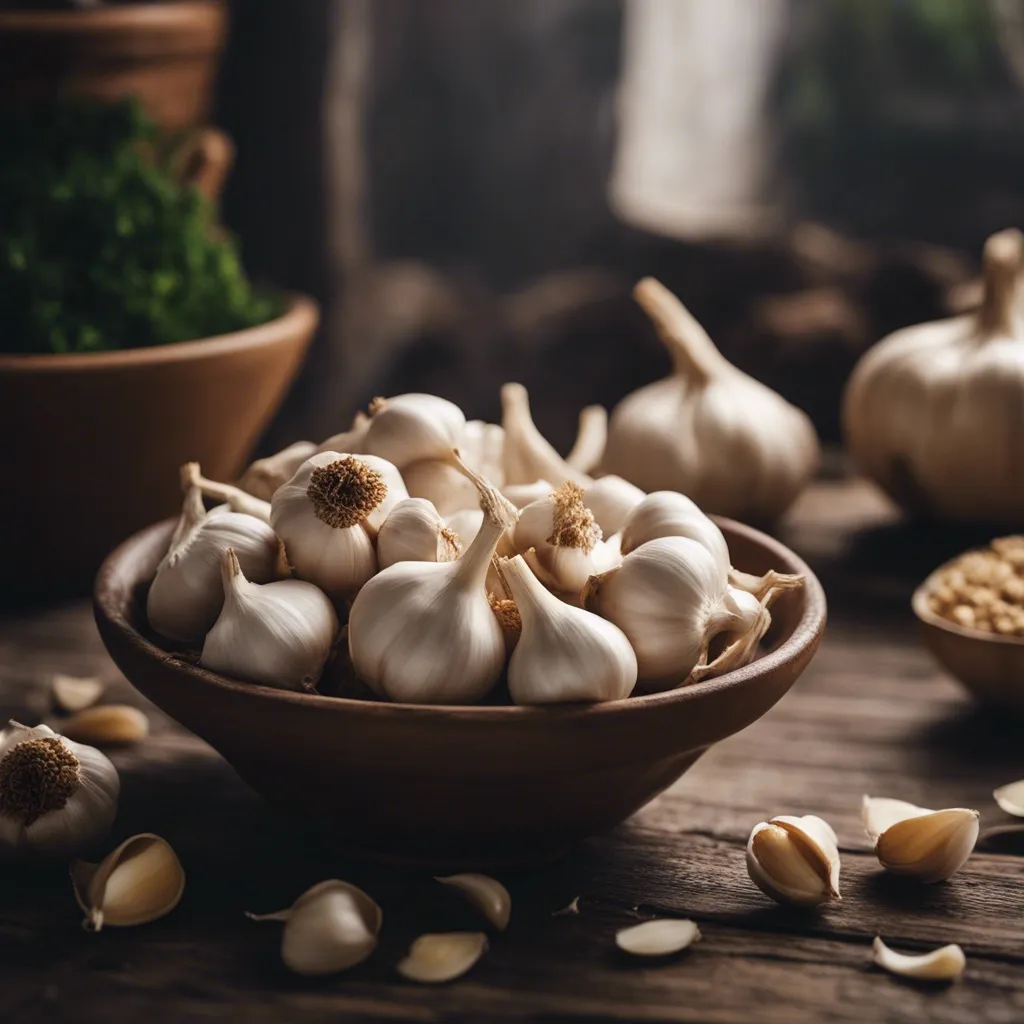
(166, 54)
(92, 442)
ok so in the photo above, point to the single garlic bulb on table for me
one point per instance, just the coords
(278, 634)
(563, 653)
(57, 797)
(328, 515)
(932, 413)
(424, 632)
(186, 595)
(710, 431)
(415, 532)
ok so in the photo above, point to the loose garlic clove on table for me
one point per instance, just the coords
(945, 964)
(435, 959)
(661, 937)
(794, 860)
(487, 894)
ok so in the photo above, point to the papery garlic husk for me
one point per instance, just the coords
(924, 844)
(58, 798)
(331, 927)
(435, 959)
(671, 599)
(487, 894)
(278, 634)
(424, 632)
(565, 538)
(186, 595)
(522, 495)
(611, 499)
(328, 516)
(945, 964)
(591, 436)
(413, 427)
(1011, 798)
(564, 653)
(670, 514)
(661, 937)
(932, 413)
(109, 725)
(141, 881)
(528, 456)
(71, 693)
(794, 860)
(415, 532)
(264, 476)
(710, 431)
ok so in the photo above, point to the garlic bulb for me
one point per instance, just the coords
(57, 797)
(566, 540)
(527, 455)
(482, 445)
(710, 431)
(352, 440)
(465, 524)
(794, 860)
(564, 653)
(670, 514)
(522, 495)
(611, 499)
(279, 634)
(186, 595)
(414, 532)
(424, 632)
(443, 484)
(591, 437)
(671, 598)
(410, 428)
(264, 476)
(932, 413)
(328, 514)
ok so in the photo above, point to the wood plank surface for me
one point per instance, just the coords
(873, 714)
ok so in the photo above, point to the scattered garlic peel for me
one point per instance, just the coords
(73, 693)
(437, 958)
(945, 964)
(572, 908)
(660, 937)
(106, 725)
(487, 894)
(140, 881)
(1011, 798)
(877, 813)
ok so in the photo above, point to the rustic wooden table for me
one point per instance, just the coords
(873, 714)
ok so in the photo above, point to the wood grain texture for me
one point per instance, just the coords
(873, 714)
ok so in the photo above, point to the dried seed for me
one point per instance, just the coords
(657, 938)
(487, 894)
(945, 964)
(107, 725)
(71, 693)
(437, 958)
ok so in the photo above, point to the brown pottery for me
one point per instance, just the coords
(453, 787)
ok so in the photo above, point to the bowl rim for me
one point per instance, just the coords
(806, 632)
(301, 314)
(919, 604)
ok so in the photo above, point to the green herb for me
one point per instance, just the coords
(101, 247)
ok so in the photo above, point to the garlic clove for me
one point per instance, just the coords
(945, 964)
(109, 725)
(264, 476)
(140, 881)
(879, 813)
(487, 894)
(435, 959)
(71, 693)
(591, 436)
(611, 499)
(1011, 798)
(929, 847)
(527, 454)
(794, 860)
(656, 938)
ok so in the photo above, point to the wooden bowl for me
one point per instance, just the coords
(93, 441)
(456, 787)
(989, 665)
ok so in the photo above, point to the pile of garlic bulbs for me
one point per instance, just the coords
(459, 557)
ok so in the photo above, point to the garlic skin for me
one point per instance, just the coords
(441, 483)
(465, 524)
(670, 514)
(945, 964)
(932, 412)
(58, 798)
(527, 454)
(564, 654)
(424, 632)
(927, 845)
(413, 427)
(482, 445)
(794, 860)
(279, 634)
(414, 532)
(611, 499)
(522, 495)
(709, 431)
(264, 476)
(186, 595)
(328, 515)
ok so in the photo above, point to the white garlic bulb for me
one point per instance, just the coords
(522, 495)
(611, 499)
(328, 514)
(565, 539)
(564, 653)
(186, 595)
(465, 524)
(414, 532)
(264, 476)
(528, 456)
(482, 445)
(670, 514)
(352, 440)
(410, 428)
(932, 413)
(424, 632)
(710, 431)
(591, 437)
(57, 797)
(671, 599)
(279, 634)
(794, 860)
(443, 484)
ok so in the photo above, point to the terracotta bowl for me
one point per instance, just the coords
(455, 787)
(990, 666)
(93, 442)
